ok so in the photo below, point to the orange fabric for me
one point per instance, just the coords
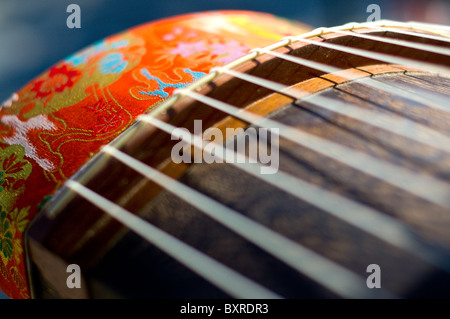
(58, 121)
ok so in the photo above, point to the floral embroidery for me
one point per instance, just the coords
(160, 91)
(6, 236)
(19, 218)
(53, 125)
(187, 49)
(98, 48)
(113, 63)
(73, 79)
(229, 51)
(171, 36)
(19, 221)
(87, 54)
(59, 78)
(107, 122)
(177, 32)
(14, 170)
(225, 52)
(13, 167)
(3, 270)
(16, 222)
(20, 137)
(107, 119)
(98, 107)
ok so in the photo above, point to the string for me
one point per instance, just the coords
(372, 221)
(431, 67)
(408, 44)
(430, 100)
(318, 268)
(220, 275)
(400, 126)
(420, 185)
(431, 25)
(421, 35)
(398, 42)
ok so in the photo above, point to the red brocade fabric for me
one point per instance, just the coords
(59, 120)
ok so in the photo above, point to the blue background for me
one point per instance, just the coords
(34, 35)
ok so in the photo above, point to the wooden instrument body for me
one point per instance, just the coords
(118, 263)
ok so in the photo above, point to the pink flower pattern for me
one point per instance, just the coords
(187, 49)
(229, 51)
(107, 122)
(225, 52)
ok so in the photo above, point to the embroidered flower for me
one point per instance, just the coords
(13, 166)
(10, 164)
(6, 236)
(171, 36)
(107, 122)
(192, 76)
(99, 107)
(85, 55)
(21, 140)
(96, 49)
(3, 270)
(186, 49)
(229, 51)
(113, 63)
(10, 168)
(59, 78)
(19, 218)
(168, 37)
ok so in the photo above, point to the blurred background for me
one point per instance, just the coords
(34, 35)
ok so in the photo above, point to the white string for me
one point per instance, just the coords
(430, 25)
(418, 184)
(395, 124)
(430, 100)
(343, 282)
(420, 35)
(399, 42)
(220, 275)
(431, 67)
(379, 225)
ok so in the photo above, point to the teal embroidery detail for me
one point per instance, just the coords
(162, 85)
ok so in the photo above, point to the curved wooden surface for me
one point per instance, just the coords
(60, 233)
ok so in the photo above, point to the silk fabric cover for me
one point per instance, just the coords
(59, 120)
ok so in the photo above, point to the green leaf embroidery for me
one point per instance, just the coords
(1, 181)
(6, 236)
(19, 218)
